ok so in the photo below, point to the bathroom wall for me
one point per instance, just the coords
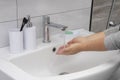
(101, 11)
(73, 13)
(116, 12)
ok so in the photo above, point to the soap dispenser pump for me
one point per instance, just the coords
(29, 23)
(30, 39)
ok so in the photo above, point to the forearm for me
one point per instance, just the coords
(95, 42)
(107, 40)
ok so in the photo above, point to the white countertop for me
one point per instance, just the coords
(5, 53)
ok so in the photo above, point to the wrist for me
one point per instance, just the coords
(83, 46)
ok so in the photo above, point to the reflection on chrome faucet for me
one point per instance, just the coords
(46, 24)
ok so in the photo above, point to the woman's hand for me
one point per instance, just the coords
(73, 47)
(78, 39)
(93, 42)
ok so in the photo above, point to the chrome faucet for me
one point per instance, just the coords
(46, 24)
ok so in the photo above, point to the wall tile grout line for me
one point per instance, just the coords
(41, 15)
(8, 21)
(63, 12)
(17, 12)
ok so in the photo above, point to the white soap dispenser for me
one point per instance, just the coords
(30, 39)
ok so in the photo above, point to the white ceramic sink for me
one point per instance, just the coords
(44, 64)
(83, 66)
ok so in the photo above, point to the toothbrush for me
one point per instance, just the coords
(23, 23)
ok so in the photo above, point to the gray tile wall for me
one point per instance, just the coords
(101, 10)
(116, 12)
(73, 13)
(100, 14)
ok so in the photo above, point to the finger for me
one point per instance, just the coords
(72, 41)
(59, 51)
(65, 51)
(63, 46)
(62, 49)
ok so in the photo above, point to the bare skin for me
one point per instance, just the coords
(93, 42)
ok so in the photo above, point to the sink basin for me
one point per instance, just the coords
(44, 64)
(83, 66)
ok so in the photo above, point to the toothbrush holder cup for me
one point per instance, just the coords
(16, 40)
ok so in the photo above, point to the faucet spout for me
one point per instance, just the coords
(46, 24)
(59, 26)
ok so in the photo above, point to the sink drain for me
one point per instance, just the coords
(54, 49)
(63, 73)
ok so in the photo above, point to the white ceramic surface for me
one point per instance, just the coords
(30, 39)
(16, 40)
(7, 10)
(42, 7)
(4, 28)
(84, 66)
(44, 64)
